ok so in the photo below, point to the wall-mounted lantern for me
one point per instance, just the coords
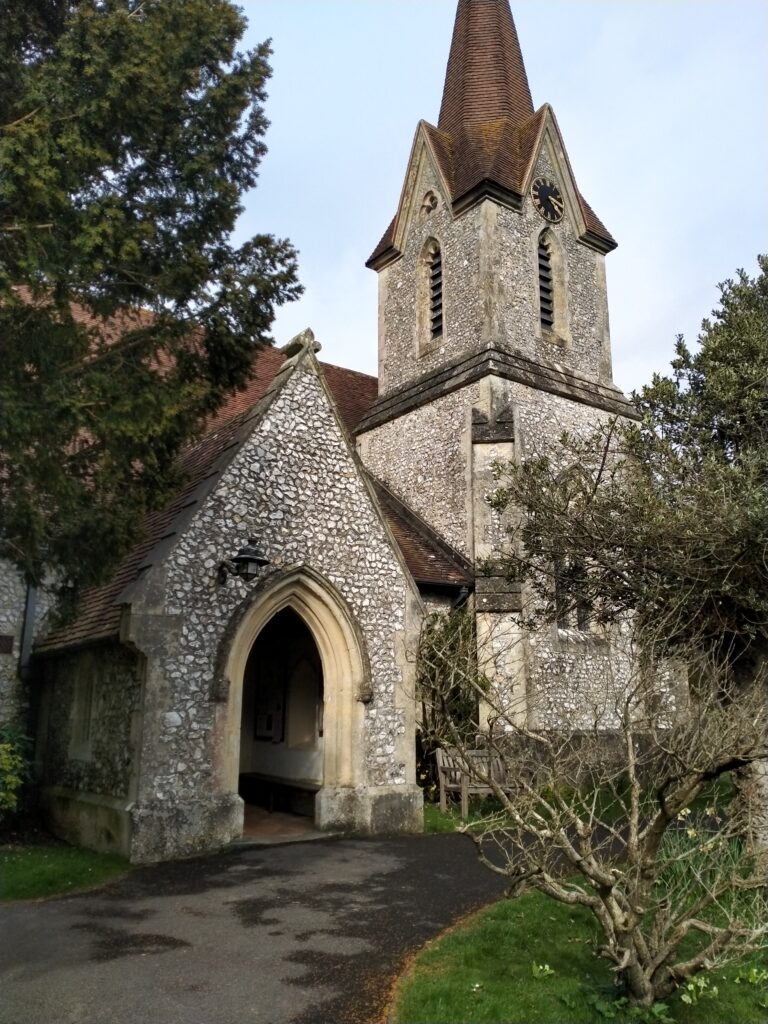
(246, 564)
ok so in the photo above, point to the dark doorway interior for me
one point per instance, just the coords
(281, 739)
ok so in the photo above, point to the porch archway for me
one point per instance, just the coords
(345, 671)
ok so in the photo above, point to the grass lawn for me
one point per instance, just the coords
(435, 821)
(31, 872)
(492, 969)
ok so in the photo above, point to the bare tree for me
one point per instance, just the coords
(622, 805)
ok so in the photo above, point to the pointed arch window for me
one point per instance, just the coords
(435, 275)
(551, 278)
(546, 284)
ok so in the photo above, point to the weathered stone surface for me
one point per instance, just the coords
(497, 594)
(108, 678)
(13, 699)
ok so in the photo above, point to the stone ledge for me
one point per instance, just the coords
(497, 363)
(371, 810)
(497, 594)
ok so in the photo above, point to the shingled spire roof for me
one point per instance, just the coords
(488, 132)
(486, 77)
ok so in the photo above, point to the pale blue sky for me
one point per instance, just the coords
(663, 106)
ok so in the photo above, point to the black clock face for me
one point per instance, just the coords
(547, 199)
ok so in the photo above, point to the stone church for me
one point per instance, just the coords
(263, 633)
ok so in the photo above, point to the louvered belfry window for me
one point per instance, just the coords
(435, 292)
(546, 293)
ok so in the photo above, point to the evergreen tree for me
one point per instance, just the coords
(129, 132)
(666, 518)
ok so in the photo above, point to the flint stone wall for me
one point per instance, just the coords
(295, 486)
(490, 289)
(104, 761)
(424, 457)
(571, 674)
(564, 674)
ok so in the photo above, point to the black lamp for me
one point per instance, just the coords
(246, 564)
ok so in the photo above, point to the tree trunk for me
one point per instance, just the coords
(639, 988)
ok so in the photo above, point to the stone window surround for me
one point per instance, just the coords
(426, 342)
(83, 706)
(560, 334)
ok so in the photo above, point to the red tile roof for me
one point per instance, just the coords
(354, 393)
(98, 616)
(485, 80)
(488, 132)
(430, 560)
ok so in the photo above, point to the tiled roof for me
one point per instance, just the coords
(354, 393)
(488, 131)
(485, 80)
(430, 560)
(98, 617)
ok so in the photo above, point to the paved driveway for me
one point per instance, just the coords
(308, 932)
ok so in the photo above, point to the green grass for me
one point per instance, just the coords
(32, 872)
(437, 822)
(483, 972)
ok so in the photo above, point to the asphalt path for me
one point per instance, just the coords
(301, 933)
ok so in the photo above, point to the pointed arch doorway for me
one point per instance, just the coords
(297, 646)
(282, 727)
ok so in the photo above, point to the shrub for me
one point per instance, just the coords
(15, 749)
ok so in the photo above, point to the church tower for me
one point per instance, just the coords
(493, 316)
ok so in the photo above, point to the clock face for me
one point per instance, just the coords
(547, 199)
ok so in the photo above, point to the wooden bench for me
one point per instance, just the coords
(465, 773)
(273, 785)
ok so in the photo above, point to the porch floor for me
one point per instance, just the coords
(276, 826)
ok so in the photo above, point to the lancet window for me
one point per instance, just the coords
(546, 285)
(435, 275)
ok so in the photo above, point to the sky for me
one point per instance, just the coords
(663, 107)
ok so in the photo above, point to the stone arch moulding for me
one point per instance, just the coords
(346, 672)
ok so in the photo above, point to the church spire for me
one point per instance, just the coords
(486, 79)
(488, 135)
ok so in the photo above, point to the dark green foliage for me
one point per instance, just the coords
(129, 133)
(667, 518)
